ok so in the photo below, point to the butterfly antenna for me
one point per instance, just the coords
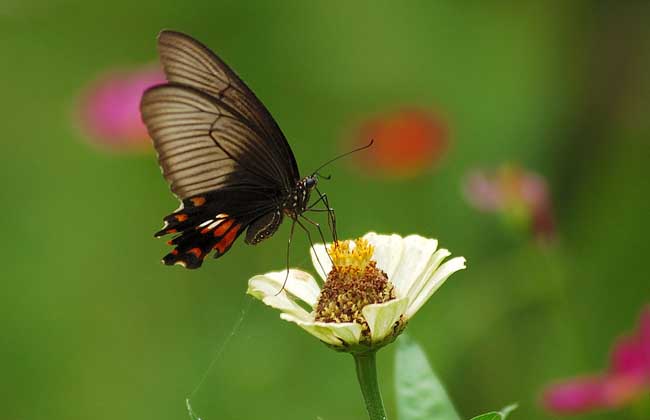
(344, 155)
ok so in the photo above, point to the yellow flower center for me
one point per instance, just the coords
(354, 282)
(343, 254)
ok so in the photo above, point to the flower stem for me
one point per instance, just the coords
(367, 376)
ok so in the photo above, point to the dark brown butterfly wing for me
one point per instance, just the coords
(217, 233)
(203, 145)
(188, 62)
(218, 147)
(212, 222)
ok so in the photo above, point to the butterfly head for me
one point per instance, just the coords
(298, 200)
(310, 182)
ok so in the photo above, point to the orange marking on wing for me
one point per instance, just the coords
(196, 251)
(223, 227)
(181, 217)
(171, 231)
(198, 201)
(205, 230)
(227, 240)
(170, 242)
(174, 251)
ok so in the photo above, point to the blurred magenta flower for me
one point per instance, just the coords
(407, 142)
(627, 379)
(521, 196)
(109, 108)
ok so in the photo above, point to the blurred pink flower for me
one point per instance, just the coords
(109, 108)
(521, 196)
(407, 142)
(627, 379)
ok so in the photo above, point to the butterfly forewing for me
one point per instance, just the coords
(201, 145)
(188, 62)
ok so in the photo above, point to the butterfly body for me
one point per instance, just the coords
(222, 153)
(292, 206)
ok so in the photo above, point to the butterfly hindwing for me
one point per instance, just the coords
(201, 229)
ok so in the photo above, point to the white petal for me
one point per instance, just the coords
(265, 288)
(431, 266)
(331, 333)
(416, 255)
(348, 332)
(433, 283)
(299, 284)
(388, 251)
(381, 317)
(321, 260)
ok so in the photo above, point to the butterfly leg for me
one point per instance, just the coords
(320, 232)
(331, 215)
(286, 276)
(329, 222)
(311, 244)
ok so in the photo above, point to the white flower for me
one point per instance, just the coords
(378, 283)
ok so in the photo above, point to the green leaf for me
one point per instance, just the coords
(501, 415)
(420, 395)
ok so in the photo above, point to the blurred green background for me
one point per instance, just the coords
(93, 326)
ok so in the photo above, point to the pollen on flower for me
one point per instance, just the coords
(354, 282)
(344, 255)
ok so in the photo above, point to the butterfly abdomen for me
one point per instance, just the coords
(264, 227)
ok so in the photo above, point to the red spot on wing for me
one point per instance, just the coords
(181, 217)
(198, 201)
(174, 252)
(196, 251)
(225, 242)
(223, 227)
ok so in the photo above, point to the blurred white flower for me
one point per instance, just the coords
(374, 287)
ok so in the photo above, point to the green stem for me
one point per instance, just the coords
(367, 376)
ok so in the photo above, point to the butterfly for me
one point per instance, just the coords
(223, 155)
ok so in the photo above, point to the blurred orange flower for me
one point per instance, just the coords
(521, 196)
(407, 142)
(627, 379)
(109, 108)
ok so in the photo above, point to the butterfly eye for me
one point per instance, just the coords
(310, 182)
